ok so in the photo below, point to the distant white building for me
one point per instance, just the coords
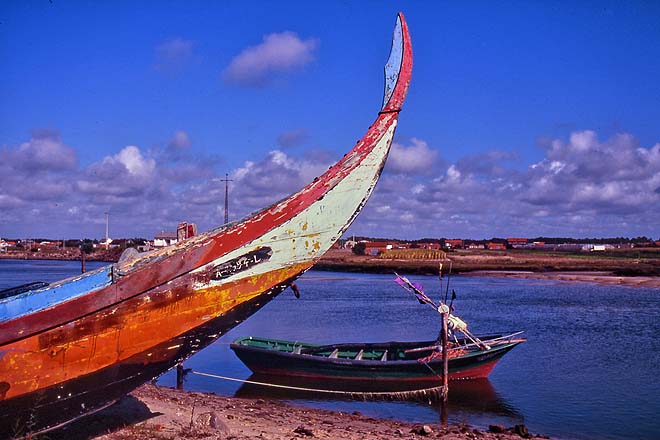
(102, 244)
(476, 246)
(597, 247)
(164, 239)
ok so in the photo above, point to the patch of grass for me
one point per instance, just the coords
(144, 431)
(413, 254)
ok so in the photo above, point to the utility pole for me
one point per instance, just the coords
(107, 218)
(226, 180)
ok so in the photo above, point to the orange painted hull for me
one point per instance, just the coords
(111, 336)
(113, 351)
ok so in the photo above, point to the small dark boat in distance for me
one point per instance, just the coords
(413, 362)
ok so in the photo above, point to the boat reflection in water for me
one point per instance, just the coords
(476, 399)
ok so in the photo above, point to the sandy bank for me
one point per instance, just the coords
(602, 278)
(643, 272)
(153, 412)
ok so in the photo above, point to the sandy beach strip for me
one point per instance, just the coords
(602, 278)
(154, 412)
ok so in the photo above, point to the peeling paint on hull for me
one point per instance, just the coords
(57, 404)
(76, 345)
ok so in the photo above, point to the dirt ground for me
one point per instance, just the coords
(153, 412)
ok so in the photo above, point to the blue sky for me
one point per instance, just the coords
(523, 118)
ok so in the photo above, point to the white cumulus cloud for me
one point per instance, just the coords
(131, 158)
(44, 151)
(417, 157)
(583, 187)
(278, 53)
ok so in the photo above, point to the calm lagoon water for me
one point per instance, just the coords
(589, 369)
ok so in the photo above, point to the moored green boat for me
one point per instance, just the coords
(418, 362)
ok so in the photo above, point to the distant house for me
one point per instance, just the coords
(50, 244)
(376, 247)
(496, 246)
(476, 246)
(164, 239)
(119, 243)
(454, 244)
(430, 246)
(597, 247)
(103, 244)
(517, 242)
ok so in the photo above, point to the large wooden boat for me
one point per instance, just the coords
(396, 363)
(74, 346)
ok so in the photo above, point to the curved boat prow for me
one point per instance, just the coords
(398, 68)
(72, 346)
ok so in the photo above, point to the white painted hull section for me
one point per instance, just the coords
(308, 235)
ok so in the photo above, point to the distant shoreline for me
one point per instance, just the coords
(610, 269)
(605, 269)
(62, 255)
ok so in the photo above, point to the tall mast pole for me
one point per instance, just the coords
(226, 180)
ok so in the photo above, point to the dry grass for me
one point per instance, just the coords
(413, 254)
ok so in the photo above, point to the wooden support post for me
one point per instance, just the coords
(179, 376)
(444, 419)
(445, 358)
(82, 260)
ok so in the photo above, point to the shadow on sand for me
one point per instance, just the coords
(126, 411)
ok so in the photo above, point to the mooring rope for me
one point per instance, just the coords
(433, 392)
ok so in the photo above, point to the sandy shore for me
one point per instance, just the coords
(602, 278)
(153, 412)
